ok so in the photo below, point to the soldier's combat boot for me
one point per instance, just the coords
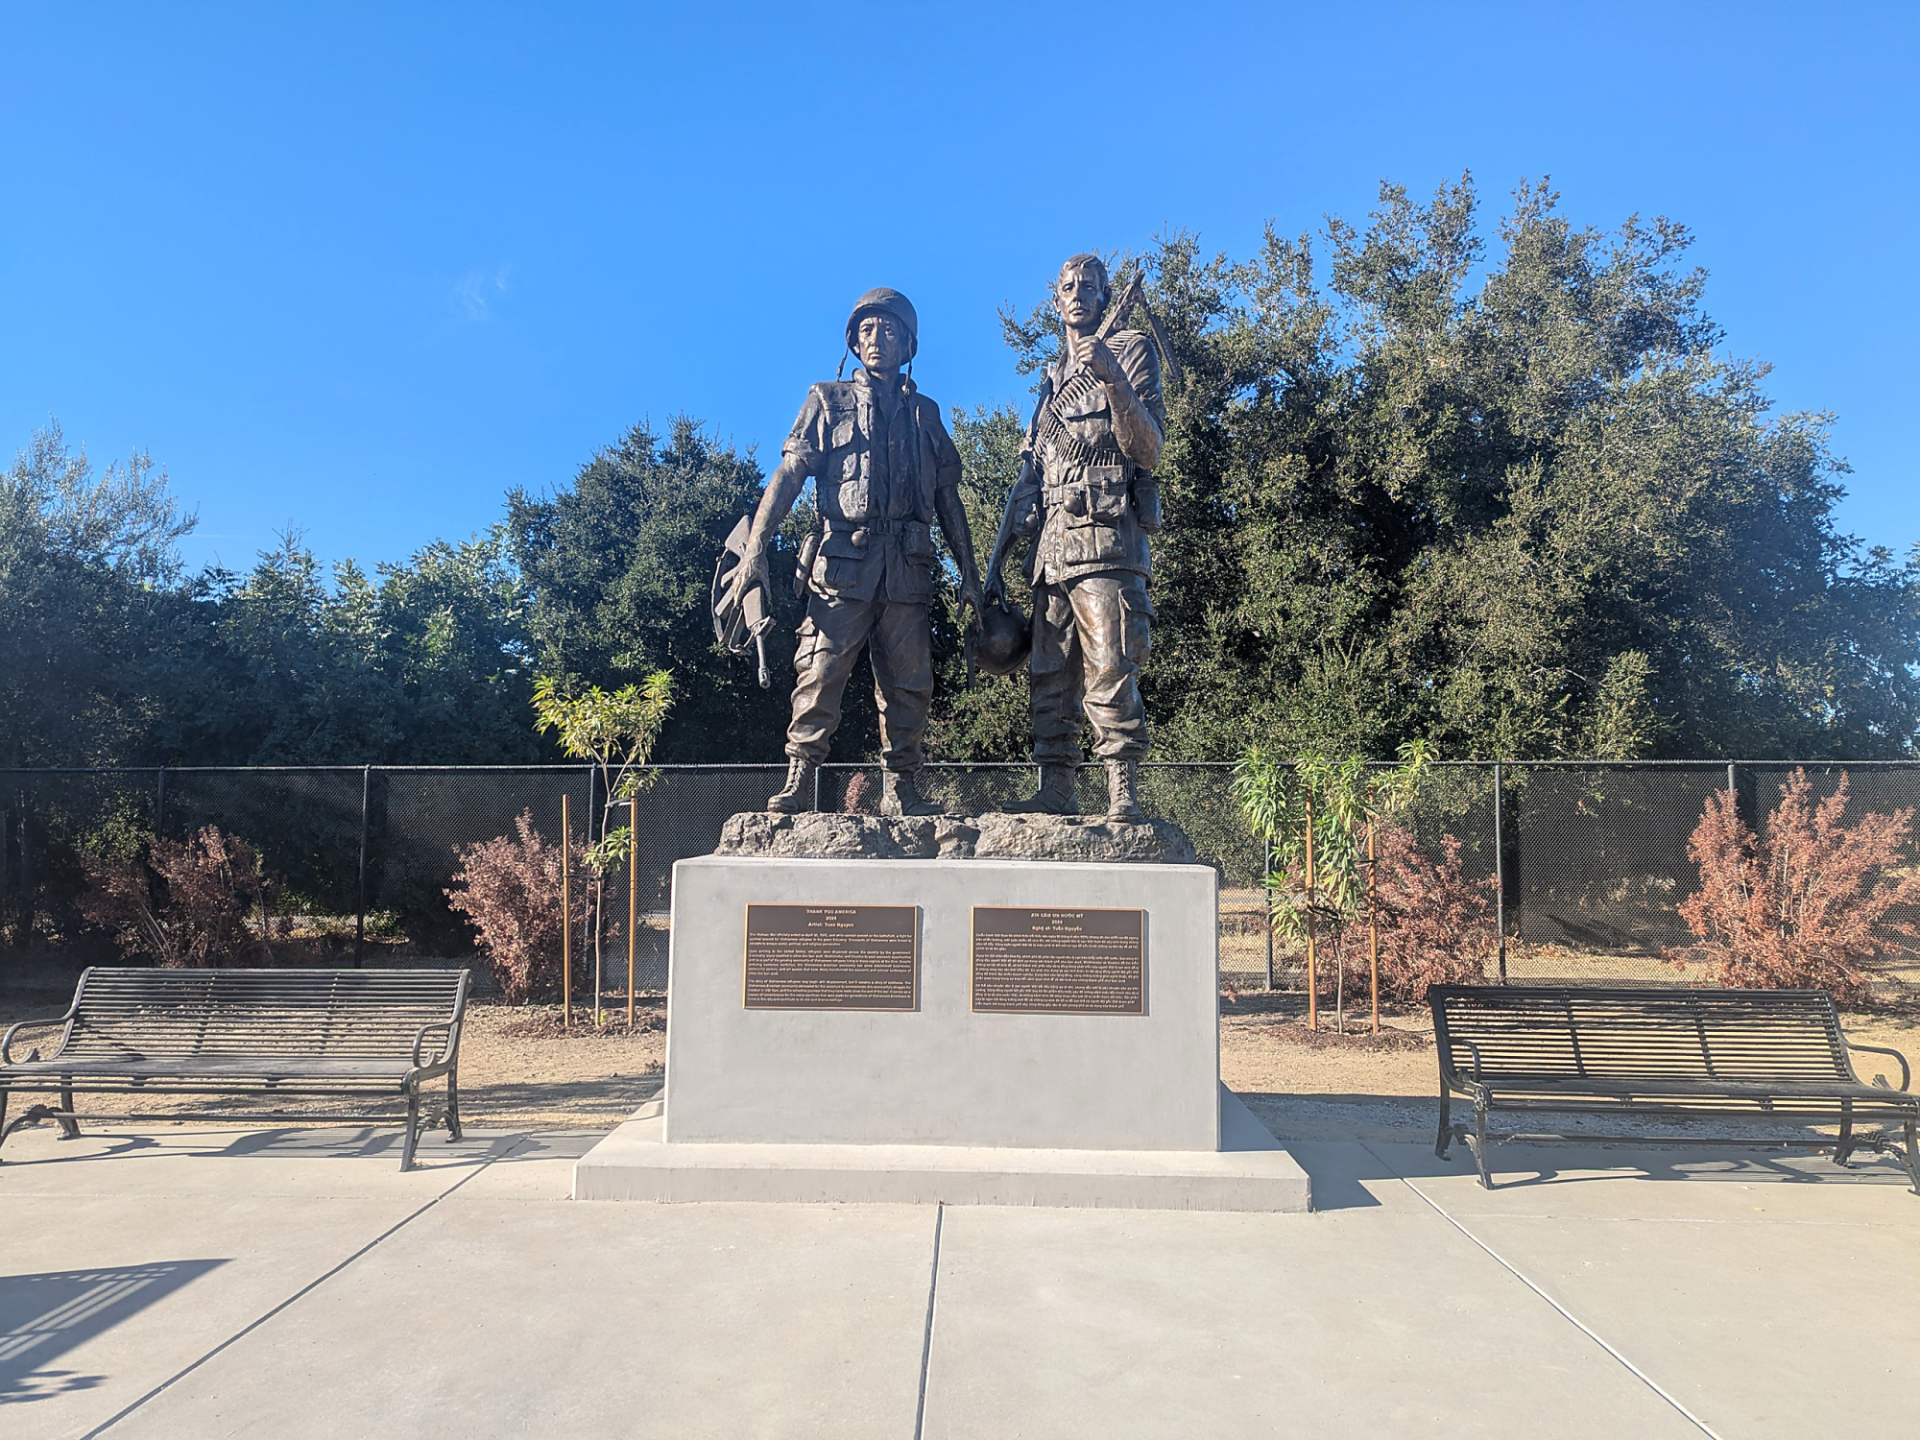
(1054, 797)
(900, 795)
(1122, 802)
(797, 794)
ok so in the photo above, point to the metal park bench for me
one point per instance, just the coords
(1675, 1055)
(247, 1032)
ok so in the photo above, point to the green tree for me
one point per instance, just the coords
(425, 662)
(1509, 497)
(619, 565)
(95, 628)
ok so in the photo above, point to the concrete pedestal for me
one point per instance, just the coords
(940, 1102)
(1250, 1171)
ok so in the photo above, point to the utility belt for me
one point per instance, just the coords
(862, 533)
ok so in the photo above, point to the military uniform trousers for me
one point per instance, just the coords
(899, 640)
(1089, 641)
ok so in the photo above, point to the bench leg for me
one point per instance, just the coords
(1844, 1147)
(1477, 1142)
(413, 1130)
(1444, 1140)
(453, 1106)
(69, 1127)
(1912, 1156)
(32, 1115)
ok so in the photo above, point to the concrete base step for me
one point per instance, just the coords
(1251, 1172)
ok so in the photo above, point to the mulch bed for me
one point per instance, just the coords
(1358, 1036)
(543, 1022)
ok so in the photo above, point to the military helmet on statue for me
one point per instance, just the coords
(1004, 640)
(884, 301)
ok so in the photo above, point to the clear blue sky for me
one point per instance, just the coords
(360, 268)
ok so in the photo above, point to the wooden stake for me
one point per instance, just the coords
(1373, 931)
(633, 893)
(566, 913)
(1313, 973)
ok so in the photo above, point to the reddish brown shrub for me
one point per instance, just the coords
(863, 795)
(191, 905)
(509, 890)
(1436, 925)
(1806, 906)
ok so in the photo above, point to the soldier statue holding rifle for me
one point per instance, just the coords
(884, 470)
(1087, 499)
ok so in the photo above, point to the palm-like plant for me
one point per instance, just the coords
(1318, 817)
(617, 731)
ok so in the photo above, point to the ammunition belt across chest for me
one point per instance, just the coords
(1056, 436)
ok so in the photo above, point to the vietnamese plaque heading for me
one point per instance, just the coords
(832, 957)
(1060, 962)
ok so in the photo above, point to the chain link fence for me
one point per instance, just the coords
(1583, 865)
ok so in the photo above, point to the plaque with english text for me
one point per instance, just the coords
(832, 957)
(1059, 961)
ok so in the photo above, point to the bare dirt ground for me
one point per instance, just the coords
(1318, 1084)
(519, 1068)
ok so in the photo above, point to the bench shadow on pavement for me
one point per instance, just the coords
(1346, 1172)
(43, 1316)
(124, 1141)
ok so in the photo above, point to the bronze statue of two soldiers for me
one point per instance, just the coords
(885, 470)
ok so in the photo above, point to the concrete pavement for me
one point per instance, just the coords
(171, 1282)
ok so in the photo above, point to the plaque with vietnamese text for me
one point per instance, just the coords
(832, 957)
(1060, 962)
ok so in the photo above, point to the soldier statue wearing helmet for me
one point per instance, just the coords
(884, 471)
(1087, 498)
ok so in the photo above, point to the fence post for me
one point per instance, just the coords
(598, 882)
(1500, 863)
(160, 801)
(1313, 970)
(816, 786)
(1266, 904)
(360, 903)
(566, 911)
(1373, 927)
(633, 892)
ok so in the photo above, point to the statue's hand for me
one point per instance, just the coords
(995, 589)
(1092, 352)
(745, 575)
(972, 602)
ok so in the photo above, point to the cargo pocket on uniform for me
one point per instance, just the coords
(1136, 630)
(1107, 495)
(917, 540)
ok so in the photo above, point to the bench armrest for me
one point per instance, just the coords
(443, 1027)
(6, 1041)
(1470, 1081)
(1475, 1049)
(1906, 1074)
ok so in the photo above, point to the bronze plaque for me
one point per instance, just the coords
(1060, 962)
(832, 957)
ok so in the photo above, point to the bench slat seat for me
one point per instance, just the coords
(273, 1032)
(1774, 1055)
(144, 1074)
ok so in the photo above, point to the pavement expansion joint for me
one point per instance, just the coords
(1566, 1314)
(302, 1292)
(926, 1343)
